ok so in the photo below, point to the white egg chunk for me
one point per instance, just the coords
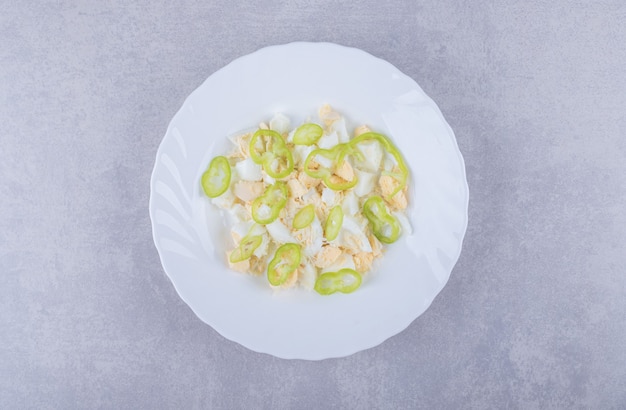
(372, 156)
(247, 191)
(224, 201)
(240, 229)
(388, 162)
(350, 204)
(342, 262)
(404, 222)
(323, 161)
(352, 236)
(279, 232)
(328, 141)
(308, 181)
(339, 127)
(280, 123)
(366, 181)
(311, 238)
(242, 142)
(307, 275)
(248, 170)
(268, 179)
(313, 197)
(264, 211)
(329, 197)
(300, 152)
(239, 213)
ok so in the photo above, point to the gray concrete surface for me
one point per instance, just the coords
(534, 315)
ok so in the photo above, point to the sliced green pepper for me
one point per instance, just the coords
(402, 175)
(345, 281)
(304, 217)
(286, 260)
(265, 208)
(216, 178)
(333, 223)
(268, 148)
(307, 134)
(247, 246)
(335, 156)
(384, 225)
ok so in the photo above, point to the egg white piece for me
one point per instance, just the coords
(307, 276)
(350, 204)
(366, 181)
(352, 236)
(372, 156)
(339, 127)
(248, 170)
(328, 141)
(279, 232)
(329, 197)
(300, 152)
(312, 238)
(280, 123)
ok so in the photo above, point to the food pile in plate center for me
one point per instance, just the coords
(312, 206)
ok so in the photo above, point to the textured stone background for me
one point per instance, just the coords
(534, 315)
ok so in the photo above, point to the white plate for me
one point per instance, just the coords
(296, 79)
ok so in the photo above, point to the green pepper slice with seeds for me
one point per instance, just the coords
(265, 208)
(285, 261)
(402, 175)
(384, 225)
(345, 281)
(268, 148)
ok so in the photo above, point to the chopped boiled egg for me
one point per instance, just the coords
(280, 123)
(328, 115)
(372, 155)
(248, 191)
(327, 256)
(328, 141)
(339, 127)
(352, 236)
(248, 170)
(311, 238)
(366, 182)
(355, 246)
(307, 274)
(363, 261)
(362, 129)
(350, 203)
(279, 232)
(342, 262)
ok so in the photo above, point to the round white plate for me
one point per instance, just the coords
(297, 79)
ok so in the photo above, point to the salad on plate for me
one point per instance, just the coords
(312, 206)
